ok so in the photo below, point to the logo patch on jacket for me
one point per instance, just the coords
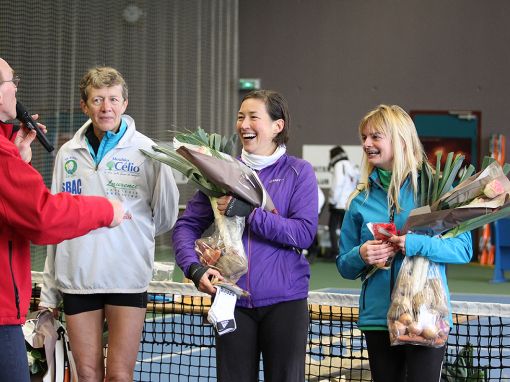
(70, 166)
(72, 186)
(122, 189)
(123, 166)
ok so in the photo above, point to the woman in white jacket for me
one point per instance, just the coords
(344, 177)
(105, 274)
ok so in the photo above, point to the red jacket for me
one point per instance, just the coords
(30, 213)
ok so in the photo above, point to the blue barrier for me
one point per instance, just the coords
(501, 239)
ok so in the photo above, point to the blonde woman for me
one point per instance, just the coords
(388, 191)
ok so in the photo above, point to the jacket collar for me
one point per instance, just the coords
(6, 129)
(78, 140)
(373, 178)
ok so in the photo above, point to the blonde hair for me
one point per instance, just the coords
(408, 153)
(101, 77)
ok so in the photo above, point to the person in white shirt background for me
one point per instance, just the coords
(344, 178)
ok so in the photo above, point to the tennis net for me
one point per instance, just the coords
(178, 344)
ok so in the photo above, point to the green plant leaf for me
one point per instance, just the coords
(487, 161)
(435, 189)
(423, 182)
(480, 221)
(199, 137)
(470, 170)
(446, 171)
(186, 168)
(230, 144)
(462, 369)
(215, 141)
(477, 375)
(217, 146)
(430, 180)
(446, 185)
(506, 168)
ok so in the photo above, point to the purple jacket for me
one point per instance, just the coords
(277, 271)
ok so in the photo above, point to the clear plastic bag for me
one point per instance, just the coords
(418, 312)
(224, 249)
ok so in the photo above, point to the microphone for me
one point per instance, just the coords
(24, 116)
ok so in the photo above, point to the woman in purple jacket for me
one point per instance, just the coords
(273, 320)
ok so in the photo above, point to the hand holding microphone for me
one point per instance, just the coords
(24, 116)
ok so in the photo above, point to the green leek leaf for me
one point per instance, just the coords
(487, 161)
(459, 159)
(480, 221)
(439, 154)
(506, 168)
(467, 173)
(446, 171)
(423, 181)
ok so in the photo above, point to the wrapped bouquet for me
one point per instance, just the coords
(477, 200)
(205, 159)
(418, 313)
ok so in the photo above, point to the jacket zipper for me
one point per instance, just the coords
(16, 293)
(365, 286)
(392, 276)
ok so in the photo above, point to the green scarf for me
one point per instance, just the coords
(384, 177)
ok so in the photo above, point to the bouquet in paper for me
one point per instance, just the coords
(418, 312)
(205, 159)
(477, 200)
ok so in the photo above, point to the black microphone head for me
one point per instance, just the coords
(20, 110)
(24, 116)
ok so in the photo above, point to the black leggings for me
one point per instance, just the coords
(277, 331)
(336, 217)
(392, 363)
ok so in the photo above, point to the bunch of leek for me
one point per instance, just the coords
(416, 315)
(442, 202)
(211, 143)
(227, 239)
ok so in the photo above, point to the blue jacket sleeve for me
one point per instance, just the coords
(455, 250)
(299, 227)
(349, 262)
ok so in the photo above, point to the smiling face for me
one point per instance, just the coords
(256, 129)
(378, 148)
(104, 107)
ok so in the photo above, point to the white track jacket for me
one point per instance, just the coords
(120, 259)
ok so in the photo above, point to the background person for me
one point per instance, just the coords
(344, 177)
(30, 213)
(106, 274)
(274, 319)
(312, 251)
(388, 191)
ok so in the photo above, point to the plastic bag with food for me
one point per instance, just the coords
(224, 249)
(418, 312)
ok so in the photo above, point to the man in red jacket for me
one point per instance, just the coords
(30, 213)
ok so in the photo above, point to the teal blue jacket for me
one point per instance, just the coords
(376, 290)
